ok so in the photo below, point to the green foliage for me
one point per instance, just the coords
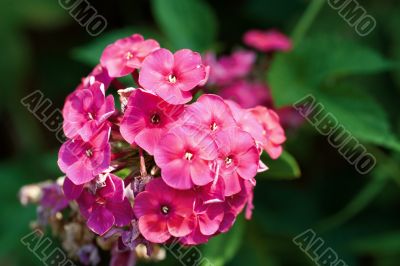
(318, 67)
(187, 23)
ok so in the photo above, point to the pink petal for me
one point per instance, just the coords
(71, 191)
(179, 226)
(122, 212)
(145, 204)
(153, 228)
(100, 220)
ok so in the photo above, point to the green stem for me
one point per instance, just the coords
(306, 20)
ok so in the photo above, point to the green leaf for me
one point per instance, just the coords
(317, 67)
(387, 244)
(187, 23)
(90, 54)
(318, 61)
(220, 249)
(285, 167)
(361, 115)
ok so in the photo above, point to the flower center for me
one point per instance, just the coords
(188, 156)
(213, 126)
(172, 78)
(89, 153)
(228, 160)
(165, 209)
(155, 119)
(128, 55)
(90, 115)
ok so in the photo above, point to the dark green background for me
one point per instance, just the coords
(357, 79)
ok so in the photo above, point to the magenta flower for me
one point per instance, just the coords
(267, 41)
(208, 218)
(210, 113)
(273, 133)
(125, 55)
(82, 161)
(72, 191)
(227, 69)
(147, 118)
(86, 110)
(184, 156)
(247, 94)
(164, 212)
(238, 158)
(107, 207)
(172, 76)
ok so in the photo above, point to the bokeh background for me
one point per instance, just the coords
(357, 78)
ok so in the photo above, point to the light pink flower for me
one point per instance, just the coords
(172, 76)
(147, 118)
(82, 161)
(273, 133)
(267, 41)
(185, 155)
(86, 110)
(227, 69)
(247, 94)
(107, 207)
(164, 212)
(125, 55)
(210, 113)
(238, 158)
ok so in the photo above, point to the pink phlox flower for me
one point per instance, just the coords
(273, 133)
(185, 155)
(125, 55)
(238, 158)
(147, 118)
(247, 94)
(235, 204)
(82, 161)
(107, 206)
(227, 69)
(208, 219)
(173, 76)
(267, 41)
(209, 113)
(163, 212)
(246, 120)
(86, 110)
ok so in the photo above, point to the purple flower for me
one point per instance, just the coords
(53, 198)
(107, 207)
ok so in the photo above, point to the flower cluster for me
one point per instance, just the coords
(170, 158)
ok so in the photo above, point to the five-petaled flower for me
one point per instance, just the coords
(173, 76)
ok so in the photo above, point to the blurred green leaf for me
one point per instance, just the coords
(285, 167)
(187, 23)
(386, 244)
(220, 249)
(360, 114)
(316, 67)
(317, 62)
(90, 53)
